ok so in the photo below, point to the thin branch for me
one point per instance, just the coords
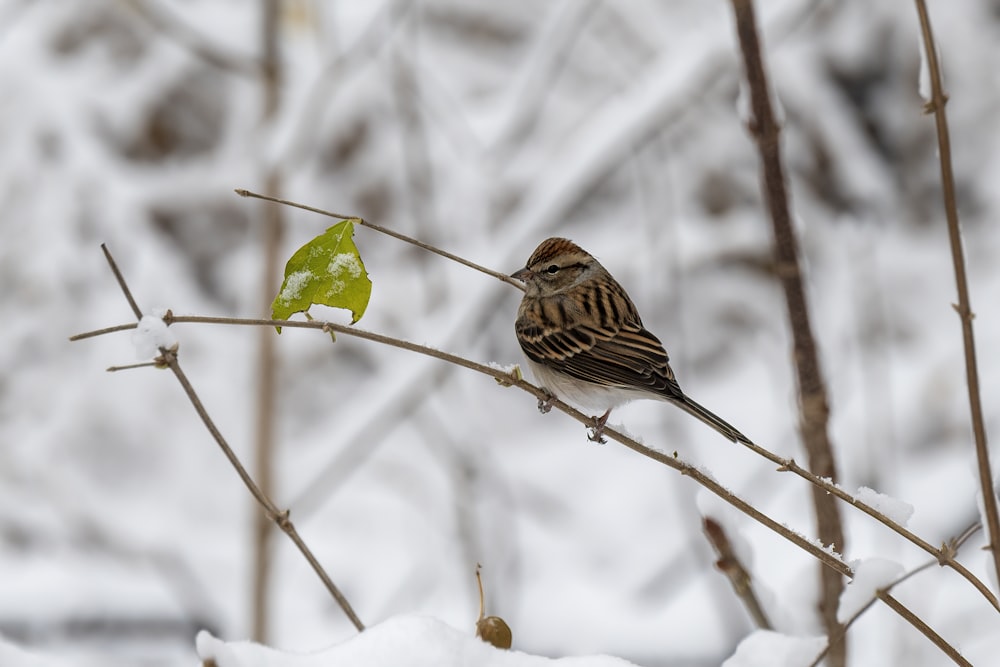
(168, 358)
(924, 629)
(944, 556)
(730, 565)
(280, 517)
(506, 378)
(101, 332)
(129, 367)
(829, 558)
(953, 545)
(396, 235)
(121, 281)
(936, 105)
(814, 408)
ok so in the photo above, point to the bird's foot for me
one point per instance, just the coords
(596, 432)
(545, 404)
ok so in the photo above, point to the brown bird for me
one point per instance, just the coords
(585, 341)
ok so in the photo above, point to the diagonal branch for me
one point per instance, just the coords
(168, 359)
(936, 105)
(729, 564)
(953, 545)
(944, 556)
(389, 232)
(823, 483)
(826, 556)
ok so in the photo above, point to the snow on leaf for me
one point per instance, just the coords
(327, 271)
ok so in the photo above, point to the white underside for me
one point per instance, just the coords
(592, 399)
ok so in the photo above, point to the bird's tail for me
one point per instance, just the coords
(712, 419)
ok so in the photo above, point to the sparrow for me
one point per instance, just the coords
(586, 344)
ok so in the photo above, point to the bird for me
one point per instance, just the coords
(585, 342)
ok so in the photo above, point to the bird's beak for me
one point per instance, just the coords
(521, 274)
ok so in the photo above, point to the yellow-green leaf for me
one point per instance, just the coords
(327, 271)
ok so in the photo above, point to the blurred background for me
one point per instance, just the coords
(482, 128)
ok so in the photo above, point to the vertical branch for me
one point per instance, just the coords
(813, 405)
(267, 369)
(936, 105)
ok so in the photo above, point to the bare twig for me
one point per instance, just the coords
(924, 629)
(823, 555)
(953, 545)
(396, 235)
(121, 283)
(168, 358)
(101, 332)
(826, 556)
(822, 483)
(936, 105)
(128, 367)
(943, 556)
(730, 565)
(813, 405)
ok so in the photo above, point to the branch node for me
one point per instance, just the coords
(511, 378)
(932, 106)
(947, 553)
(281, 518)
(964, 312)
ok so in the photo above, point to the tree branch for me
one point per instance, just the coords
(385, 230)
(943, 556)
(820, 482)
(825, 555)
(813, 404)
(168, 359)
(936, 105)
(730, 565)
(954, 545)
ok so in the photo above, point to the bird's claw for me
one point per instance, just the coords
(596, 432)
(545, 404)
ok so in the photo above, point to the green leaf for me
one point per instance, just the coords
(327, 271)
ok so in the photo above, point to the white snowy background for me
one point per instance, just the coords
(482, 127)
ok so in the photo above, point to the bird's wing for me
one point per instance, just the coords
(627, 356)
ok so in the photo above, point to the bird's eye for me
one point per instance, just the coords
(552, 270)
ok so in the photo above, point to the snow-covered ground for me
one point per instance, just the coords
(482, 128)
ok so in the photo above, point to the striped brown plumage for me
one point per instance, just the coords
(585, 341)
